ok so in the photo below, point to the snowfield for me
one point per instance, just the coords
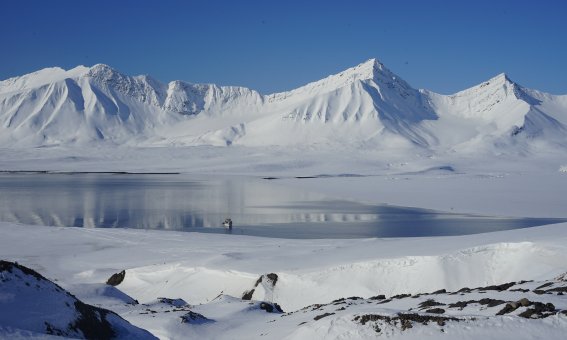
(211, 273)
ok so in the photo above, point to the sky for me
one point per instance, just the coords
(273, 46)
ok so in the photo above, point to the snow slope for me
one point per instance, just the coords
(84, 105)
(499, 111)
(31, 303)
(365, 106)
(202, 277)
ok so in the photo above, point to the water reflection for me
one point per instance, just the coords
(258, 207)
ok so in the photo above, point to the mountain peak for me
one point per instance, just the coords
(372, 69)
(500, 81)
(101, 70)
(40, 78)
(366, 70)
(501, 78)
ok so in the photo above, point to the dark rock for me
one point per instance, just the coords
(172, 302)
(558, 289)
(404, 320)
(539, 311)
(528, 313)
(354, 298)
(92, 322)
(267, 307)
(401, 296)
(278, 307)
(507, 309)
(440, 291)
(435, 311)
(384, 301)
(116, 278)
(491, 302)
(524, 302)
(319, 317)
(430, 303)
(343, 300)
(520, 290)
(271, 307)
(547, 284)
(195, 318)
(499, 288)
(459, 304)
(270, 279)
(248, 294)
(273, 277)
(486, 301)
(378, 297)
(314, 306)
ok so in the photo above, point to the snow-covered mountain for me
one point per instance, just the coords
(366, 105)
(498, 112)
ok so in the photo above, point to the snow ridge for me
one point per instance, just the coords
(364, 105)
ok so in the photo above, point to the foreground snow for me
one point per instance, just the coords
(31, 303)
(199, 267)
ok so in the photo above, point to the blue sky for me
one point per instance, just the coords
(270, 46)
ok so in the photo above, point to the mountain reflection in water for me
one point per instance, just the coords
(198, 203)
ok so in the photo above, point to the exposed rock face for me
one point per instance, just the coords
(248, 294)
(435, 311)
(486, 301)
(267, 280)
(173, 302)
(116, 278)
(430, 303)
(402, 320)
(271, 307)
(194, 318)
(319, 317)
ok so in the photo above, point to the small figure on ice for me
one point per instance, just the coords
(227, 223)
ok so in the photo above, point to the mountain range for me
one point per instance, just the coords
(363, 106)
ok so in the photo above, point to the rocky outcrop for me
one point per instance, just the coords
(267, 280)
(116, 278)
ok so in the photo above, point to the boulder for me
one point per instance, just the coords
(116, 278)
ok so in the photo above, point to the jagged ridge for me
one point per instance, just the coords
(367, 103)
